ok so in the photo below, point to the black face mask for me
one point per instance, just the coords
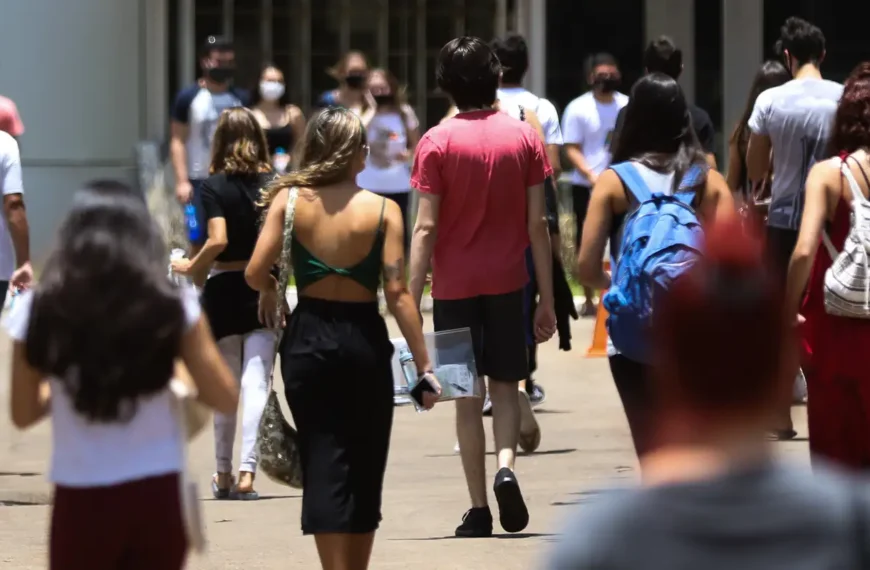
(355, 81)
(606, 83)
(221, 74)
(384, 100)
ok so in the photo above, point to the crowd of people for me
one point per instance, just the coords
(729, 264)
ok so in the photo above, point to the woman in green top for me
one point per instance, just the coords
(336, 353)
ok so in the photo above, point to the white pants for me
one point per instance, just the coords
(250, 357)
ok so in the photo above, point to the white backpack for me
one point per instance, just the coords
(847, 282)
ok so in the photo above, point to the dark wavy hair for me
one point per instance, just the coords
(657, 131)
(468, 71)
(105, 319)
(851, 129)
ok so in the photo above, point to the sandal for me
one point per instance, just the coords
(782, 435)
(218, 493)
(237, 495)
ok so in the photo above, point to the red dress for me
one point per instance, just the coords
(836, 362)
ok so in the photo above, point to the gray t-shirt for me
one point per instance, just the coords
(767, 517)
(797, 116)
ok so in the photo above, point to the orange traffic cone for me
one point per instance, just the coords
(598, 348)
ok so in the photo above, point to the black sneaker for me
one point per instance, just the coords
(476, 523)
(513, 514)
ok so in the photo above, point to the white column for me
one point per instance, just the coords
(156, 85)
(228, 15)
(676, 18)
(537, 40)
(742, 52)
(187, 55)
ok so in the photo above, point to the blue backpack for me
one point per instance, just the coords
(661, 240)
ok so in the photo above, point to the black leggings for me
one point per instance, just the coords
(633, 384)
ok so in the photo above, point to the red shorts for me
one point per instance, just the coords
(134, 525)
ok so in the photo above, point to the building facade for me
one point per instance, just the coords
(98, 76)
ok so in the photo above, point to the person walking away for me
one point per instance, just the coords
(771, 74)
(10, 120)
(351, 72)
(728, 499)
(792, 123)
(657, 153)
(336, 352)
(195, 114)
(663, 56)
(242, 320)
(835, 356)
(587, 128)
(16, 273)
(481, 205)
(283, 122)
(513, 53)
(94, 346)
(393, 132)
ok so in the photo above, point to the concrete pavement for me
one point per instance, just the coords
(585, 447)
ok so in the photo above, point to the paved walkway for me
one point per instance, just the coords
(585, 447)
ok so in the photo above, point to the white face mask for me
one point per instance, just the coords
(271, 90)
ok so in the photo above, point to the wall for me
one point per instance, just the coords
(77, 71)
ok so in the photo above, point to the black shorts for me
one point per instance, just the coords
(498, 331)
(780, 246)
(580, 199)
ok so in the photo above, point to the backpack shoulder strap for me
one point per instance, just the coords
(857, 193)
(686, 190)
(633, 181)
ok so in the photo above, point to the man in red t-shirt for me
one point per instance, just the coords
(481, 179)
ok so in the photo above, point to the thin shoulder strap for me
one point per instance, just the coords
(633, 181)
(857, 193)
(522, 113)
(381, 219)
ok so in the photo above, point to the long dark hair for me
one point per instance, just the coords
(105, 319)
(771, 74)
(657, 131)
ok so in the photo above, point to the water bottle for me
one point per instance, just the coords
(281, 160)
(409, 369)
(194, 231)
(176, 255)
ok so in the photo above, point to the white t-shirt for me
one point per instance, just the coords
(200, 109)
(388, 133)
(10, 183)
(590, 124)
(89, 454)
(546, 111)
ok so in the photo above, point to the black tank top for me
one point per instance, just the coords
(280, 137)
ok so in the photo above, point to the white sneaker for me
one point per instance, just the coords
(456, 448)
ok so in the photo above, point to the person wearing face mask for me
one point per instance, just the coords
(587, 129)
(194, 119)
(352, 72)
(283, 122)
(393, 131)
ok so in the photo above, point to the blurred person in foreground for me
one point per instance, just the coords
(835, 357)
(728, 502)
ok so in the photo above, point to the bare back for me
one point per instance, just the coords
(859, 164)
(339, 225)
